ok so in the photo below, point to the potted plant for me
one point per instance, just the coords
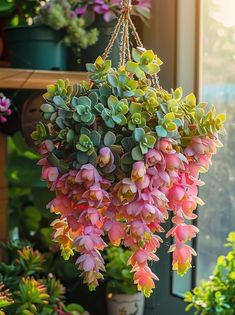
(122, 295)
(102, 15)
(217, 295)
(26, 287)
(40, 33)
(121, 154)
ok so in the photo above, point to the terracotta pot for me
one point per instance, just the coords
(125, 304)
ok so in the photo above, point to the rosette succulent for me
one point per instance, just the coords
(127, 153)
(26, 287)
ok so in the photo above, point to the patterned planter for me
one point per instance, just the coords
(125, 304)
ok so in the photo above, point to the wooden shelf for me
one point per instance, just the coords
(35, 79)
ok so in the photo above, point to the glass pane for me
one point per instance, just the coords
(217, 217)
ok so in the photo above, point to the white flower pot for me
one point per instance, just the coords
(125, 304)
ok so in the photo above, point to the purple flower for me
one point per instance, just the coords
(81, 10)
(5, 103)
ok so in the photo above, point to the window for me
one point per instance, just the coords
(217, 217)
(196, 39)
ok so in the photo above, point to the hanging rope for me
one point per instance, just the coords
(123, 27)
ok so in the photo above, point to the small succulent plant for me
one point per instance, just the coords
(5, 298)
(116, 112)
(145, 62)
(30, 291)
(83, 106)
(99, 69)
(145, 142)
(62, 88)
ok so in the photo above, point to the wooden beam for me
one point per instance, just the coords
(35, 79)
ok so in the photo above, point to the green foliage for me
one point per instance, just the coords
(116, 112)
(119, 275)
(60, 15)
(29, 289)
(20, 11)
(128, 101)
(217, 296)
(145, 141)
(5, 298)
(28, 217)
(57, 14)
(61, 88)
(145, 62)
(40, 133)
(99, 69)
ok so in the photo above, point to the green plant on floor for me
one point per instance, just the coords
(217, 296)
(119, 275)
(25, 287)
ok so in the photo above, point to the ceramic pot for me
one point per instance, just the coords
(125, 304)
(36, 47)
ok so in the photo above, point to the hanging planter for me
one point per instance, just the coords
(121, 154)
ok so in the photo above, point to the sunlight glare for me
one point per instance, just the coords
(226, 14)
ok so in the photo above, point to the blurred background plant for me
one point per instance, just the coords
(26, 288)
(61, 15)
(5, 110)
(217, 295)
(119, 276)
(28, 217)
(19, 11)
(57, 14)
(110, 9)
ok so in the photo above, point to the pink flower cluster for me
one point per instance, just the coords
(110, 9)
(130, 212)
(5, 110)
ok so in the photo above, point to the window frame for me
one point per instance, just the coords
(180, 51)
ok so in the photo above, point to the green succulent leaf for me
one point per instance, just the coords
(139, 134)
(137, 154)
(109, 139)
(58, 101)
(47, 108)
(161, 132)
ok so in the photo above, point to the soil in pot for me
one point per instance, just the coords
(125, 304)
(36, 47)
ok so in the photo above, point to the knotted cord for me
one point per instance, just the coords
(124, 26)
